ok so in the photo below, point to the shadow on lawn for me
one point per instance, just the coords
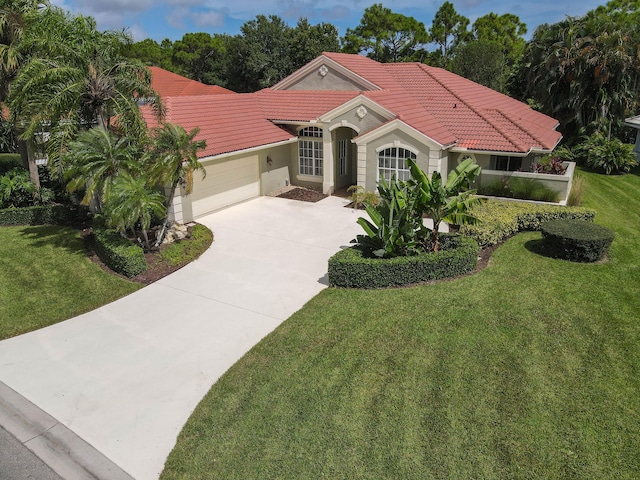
(52, 235)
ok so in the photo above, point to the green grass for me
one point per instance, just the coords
(527, 369)
(182, 252)
(46, 277)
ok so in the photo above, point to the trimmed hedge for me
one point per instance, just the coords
(350, 268)
(43, 215)
(498, 220)
(576, 240)
(118, 253)
(9, 161)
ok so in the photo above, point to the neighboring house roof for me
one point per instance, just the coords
(633, 121)
(449, 109)
(169, 84)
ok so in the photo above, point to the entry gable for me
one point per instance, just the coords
(324, 73)
(360, 114)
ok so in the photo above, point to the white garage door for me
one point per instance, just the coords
(227, 182)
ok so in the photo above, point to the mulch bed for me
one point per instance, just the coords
(157, 267)
(303, 194)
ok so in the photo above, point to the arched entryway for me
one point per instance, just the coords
(345, 157)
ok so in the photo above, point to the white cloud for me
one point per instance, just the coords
(113, 6)
(208, 19)
(138, 33)
(176, 17)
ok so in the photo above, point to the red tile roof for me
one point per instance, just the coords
(475, 116)
(169, 84)
(228, 123)
(443, 106)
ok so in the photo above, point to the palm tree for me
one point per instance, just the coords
(174, 159)
(96, 159)
(83, 82)
(132, 202)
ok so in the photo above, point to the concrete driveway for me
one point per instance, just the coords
(125, 377)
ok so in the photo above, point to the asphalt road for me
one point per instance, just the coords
(17, 462)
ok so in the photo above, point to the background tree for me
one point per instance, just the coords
(483, 62)
(200, 56)
(505, 30)
(308, 41)
(151, 53)
(386, 36)
(448, 30)
(586, 71)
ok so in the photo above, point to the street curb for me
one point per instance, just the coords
(56, 445)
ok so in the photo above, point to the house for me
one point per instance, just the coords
(634, 122)
(345, 119)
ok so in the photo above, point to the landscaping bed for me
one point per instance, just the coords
(303, 194)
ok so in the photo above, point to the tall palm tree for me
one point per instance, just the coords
(85, 83)
(96, 159)
(174, 159)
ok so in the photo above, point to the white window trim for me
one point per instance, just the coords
(314, 145)
(343, 146)
(397, 145)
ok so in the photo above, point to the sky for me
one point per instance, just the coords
(159, 19)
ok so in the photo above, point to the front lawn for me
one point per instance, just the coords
(527, 369)
(46, 277)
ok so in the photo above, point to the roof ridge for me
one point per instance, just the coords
(513, 142)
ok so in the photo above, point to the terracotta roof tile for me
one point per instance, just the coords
(300, 105)
(169, 84)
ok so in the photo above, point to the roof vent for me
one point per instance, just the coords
(455, 105)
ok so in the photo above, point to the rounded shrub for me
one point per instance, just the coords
(352, 269)
(576, 240)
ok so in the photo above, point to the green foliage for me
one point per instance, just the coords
(182, 252)
(353, 268)
(576, 240)
(448, 31)
(520, 188)
(605, 155)
(449, 202)
(386, 36)
(118, 253)
(9, 161)
(575, 195)
(42, 215)
(506, 31)
(585, 70)
(16, 189)
(498, 220)
(132, 204)
(150, 52)
(359, 196)
(396, 228)
(199, 56)
(96, 159)
(550, 165)
(481, 61)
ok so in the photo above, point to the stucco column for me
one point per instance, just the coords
(175, 210)
(439, 162)
(362, 166)
(327, 162)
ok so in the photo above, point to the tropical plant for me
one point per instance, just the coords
(395, 229)
(359, 196)
(551, 165)
(132, 203)
(173, 157)
(79, 81)
(449, 201)
(16, 190)
(608, 155)
(95, 160)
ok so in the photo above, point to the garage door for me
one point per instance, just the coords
(227, 182)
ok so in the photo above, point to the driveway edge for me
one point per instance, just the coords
(56, 445)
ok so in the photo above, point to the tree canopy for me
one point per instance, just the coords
(386, 36)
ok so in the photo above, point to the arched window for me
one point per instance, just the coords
(393, 161)
(310, 151)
